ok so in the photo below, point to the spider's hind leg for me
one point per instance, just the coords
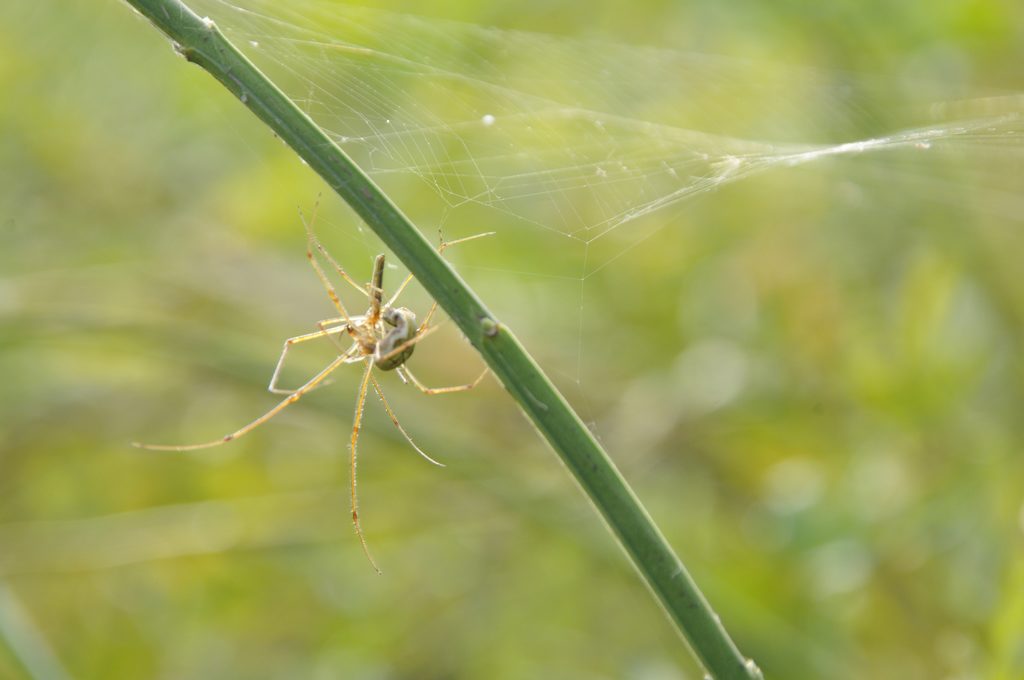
(394, 419)
(360, 402)
(406, 373)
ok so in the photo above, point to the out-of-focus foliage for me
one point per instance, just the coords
(812, 378)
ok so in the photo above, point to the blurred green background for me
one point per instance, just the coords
(812, 377)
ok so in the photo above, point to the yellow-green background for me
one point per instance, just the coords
(854, 512)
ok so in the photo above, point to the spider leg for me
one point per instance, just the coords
(288, 401)
(323, 332)
(428, 317)
(449, 244)
(440, 249)
(394, 419)
(439, 390)
(322, 326)
(360, 401)
(313, 242)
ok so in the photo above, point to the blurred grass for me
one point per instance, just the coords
(812, 378)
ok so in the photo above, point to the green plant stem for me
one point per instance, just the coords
(200, 42)
(24, 639)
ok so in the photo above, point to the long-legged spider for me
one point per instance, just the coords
(384, 338)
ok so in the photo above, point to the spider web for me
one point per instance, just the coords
(585, 147)
(577, 138)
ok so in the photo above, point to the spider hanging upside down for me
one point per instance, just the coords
(384, 338)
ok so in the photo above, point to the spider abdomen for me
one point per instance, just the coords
(395, 347)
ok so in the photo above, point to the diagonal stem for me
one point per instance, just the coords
(200, 42)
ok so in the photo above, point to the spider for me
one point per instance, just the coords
(383, 338)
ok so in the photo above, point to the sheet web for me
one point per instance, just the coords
(540, 126)
(581, 145)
